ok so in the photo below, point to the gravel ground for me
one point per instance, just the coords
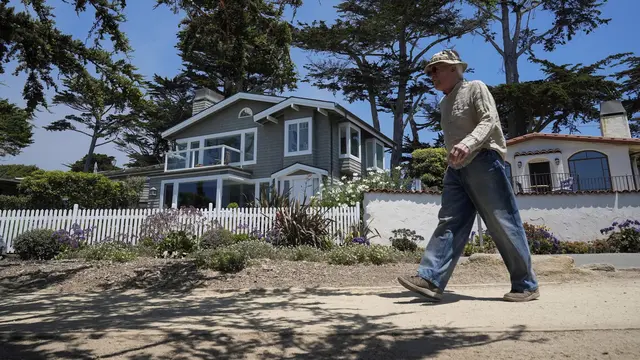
(73, 276)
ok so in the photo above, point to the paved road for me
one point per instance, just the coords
(597, 320)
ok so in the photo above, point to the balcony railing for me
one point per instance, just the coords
(218, 155)
(567, 182)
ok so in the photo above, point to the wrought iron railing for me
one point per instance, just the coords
(557, 182)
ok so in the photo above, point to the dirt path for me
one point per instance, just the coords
(571, 320)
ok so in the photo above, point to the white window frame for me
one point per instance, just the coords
(310, 177)
(201, 148)
(248, 110)
(348, 126)
(376, 142)
(297, 122)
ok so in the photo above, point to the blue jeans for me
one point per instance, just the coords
(482, 187)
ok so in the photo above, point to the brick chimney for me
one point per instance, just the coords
(204, 99)
(613, 120)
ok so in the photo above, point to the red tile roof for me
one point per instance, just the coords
(579, 192)
(586, 138)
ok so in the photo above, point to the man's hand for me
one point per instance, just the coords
(458, 154)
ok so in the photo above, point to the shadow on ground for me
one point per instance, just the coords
(253, 324)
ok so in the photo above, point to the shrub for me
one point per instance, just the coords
(232, 205)
(107, 251)
(374, 254)
(38, 244)
(429, 165)
(405, 239)
(541, 240)
(473, 246)
(574, 247)
(600, 246)
(74, 239)
(216, 237)
(361, 234)
(176, 244)
(303, 253)
(351, 191)
(241, 237)
(90, 191)
(624, 239)
(157, 226)
(226, 259)
(301, 224)
(15, 202)
(255, 249)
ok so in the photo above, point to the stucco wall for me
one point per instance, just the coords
(618, 155)
(570, 217)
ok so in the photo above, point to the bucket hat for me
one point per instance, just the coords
(448, 56)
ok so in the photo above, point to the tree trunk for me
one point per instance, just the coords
(398, 111)
(414, 132)
(510, 60)
(92, 147)
(374, 109)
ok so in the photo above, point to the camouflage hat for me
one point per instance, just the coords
(446, 56)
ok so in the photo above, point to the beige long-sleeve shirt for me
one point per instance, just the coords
(469, 116)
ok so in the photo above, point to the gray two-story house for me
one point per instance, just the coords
(232, 150)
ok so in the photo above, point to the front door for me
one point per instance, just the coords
(301, 189)
(540, 176)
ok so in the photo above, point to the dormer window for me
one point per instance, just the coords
(246, 112)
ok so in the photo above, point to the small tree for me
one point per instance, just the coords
(100, 106)
(15, 128)
(105, 163)
(429, 165)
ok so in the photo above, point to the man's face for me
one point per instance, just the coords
(444, 76)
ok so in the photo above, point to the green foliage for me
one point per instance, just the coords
(101, 108)
(216, 238)
(15, 129)
(91, 191)
(624, 237)
(473, 246)
(15, 202)
(236, 46)
(232, 205)
(272, 198)
(362, 60)
(42, 52)
(302, 253)
(105, 163)
(226, 259)
(405, 239)
(167, 103)
(13, 171)
(362, 233)
(301, 224)
(374, 254)
(107, 251)
(567, 96)
(241, 237)
(176, 244)
(351, 191)
(38, 244)
(574, 247)
(429, 165)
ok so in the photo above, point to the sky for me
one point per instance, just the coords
(152, 34)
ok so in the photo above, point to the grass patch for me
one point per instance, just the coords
(108, 251)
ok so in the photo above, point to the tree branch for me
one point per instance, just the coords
(106, 142)
(488, 12)
(490, 40)
(536, 39)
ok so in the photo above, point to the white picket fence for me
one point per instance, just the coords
(127, 224)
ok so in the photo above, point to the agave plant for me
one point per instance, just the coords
(301, 224)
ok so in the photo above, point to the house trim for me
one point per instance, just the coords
(219, 106)
(591, 139)
(349, 155)
(299, 167)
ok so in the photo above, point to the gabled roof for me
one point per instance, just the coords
(600, 139)
(324, 105)
(280, 103)
(299, 167)
(219, 106)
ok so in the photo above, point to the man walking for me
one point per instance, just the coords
(475, 181)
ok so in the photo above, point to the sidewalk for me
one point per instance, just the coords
(249, 324)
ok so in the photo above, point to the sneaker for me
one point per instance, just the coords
(522, 296)
(421, 286)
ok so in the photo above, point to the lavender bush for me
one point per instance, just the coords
(187, 219)
(74, 239)
(624, 237)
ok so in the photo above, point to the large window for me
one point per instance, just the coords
(233, 148)
(590, 171)
(374, 154)
(350, 141)
(297, 137)
(197, 194)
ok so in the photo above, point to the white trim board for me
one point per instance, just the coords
(299, 167)
(219, 106)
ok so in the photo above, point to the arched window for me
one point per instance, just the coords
(590, 170)
(246, 112)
